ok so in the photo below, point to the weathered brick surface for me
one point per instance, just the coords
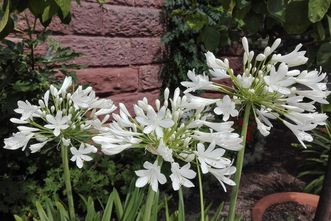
(130, 21)
(149, 77)
(129, 99)
(119, 41)
(147, 50)
(110, 80)
(103, 51)
(149, 3)
(87, 18)
(236, 64)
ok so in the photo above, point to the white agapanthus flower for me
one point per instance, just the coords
(226, 107)
(273, 89)
(63, 116)
(170, 131)
(151, 175)
(181, 176)
(82, 154)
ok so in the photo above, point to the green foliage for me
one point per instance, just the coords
(316, 157)
(196, 26)
(44, 10)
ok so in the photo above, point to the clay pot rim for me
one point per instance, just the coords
(275, 198)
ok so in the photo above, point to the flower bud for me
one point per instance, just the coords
(52, 108)
(41, 103)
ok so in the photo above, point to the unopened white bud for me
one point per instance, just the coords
(68, 96)
(166, 94)
(41, 103)
(52, 108)
(157, 104)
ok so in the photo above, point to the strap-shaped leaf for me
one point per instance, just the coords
(5, 17)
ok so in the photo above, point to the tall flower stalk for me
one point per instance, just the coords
(67, 180)
(269, 88)
(64, 119)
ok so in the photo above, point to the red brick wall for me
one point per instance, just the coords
(120, 42)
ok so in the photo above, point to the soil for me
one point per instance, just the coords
(289, 211)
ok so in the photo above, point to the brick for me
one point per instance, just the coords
(130, 21)
(115, 2)
(149, 3)
(129, 99)
(91, 48)
(236, 64)
(87, 18)
(103, 51)
(55, 25)
(149, 77)
(110, 80)
(147, 50)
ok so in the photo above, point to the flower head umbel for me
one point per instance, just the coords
(172, 132)
(61, 118)
(272, 86)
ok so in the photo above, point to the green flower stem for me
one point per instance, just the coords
(149, 204)
(239, 165)
(202, 206)
(65, 162)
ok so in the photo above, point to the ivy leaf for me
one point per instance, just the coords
(210, 37)
(196, 21)
(277, 9)
(50, 10)
(65, 6)
(323, 57)
(317, 9)
(296, 17)
(5, 17)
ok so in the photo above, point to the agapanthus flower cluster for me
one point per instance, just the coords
(271, 84)
(179, 132)
(61, 118)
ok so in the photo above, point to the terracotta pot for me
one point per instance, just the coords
(301, 198)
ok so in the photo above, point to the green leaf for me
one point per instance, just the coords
(17, 218)
(323, 57)
(317, 9)
(196, 21)
(5, 17)
(41, 212)
(320, 31)
(37, 7)
(210, 37)
(329, 23)
(109, 208)
(49, 11)
(277, 9)
(254, 23)
(296, 17)
(65, 6)
(118, 204)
